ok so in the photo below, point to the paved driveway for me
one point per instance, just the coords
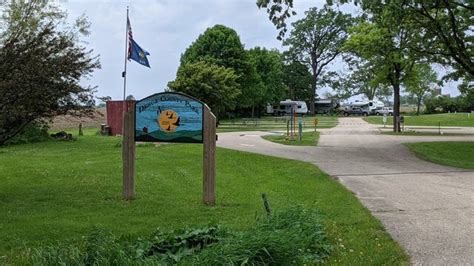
(427, 208)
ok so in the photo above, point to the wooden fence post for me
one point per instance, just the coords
(128, 152)
(209, 157)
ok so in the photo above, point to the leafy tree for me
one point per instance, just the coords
(316, 40)
(445, 29)
(363, 80)
(42, 63)
(386, 39)
(445, 103)
(419, 84)
(298, 79)
(445, 33)
(467, 94)
(269, 67)
(215, 85)
(221, 46)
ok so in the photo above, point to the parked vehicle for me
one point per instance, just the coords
(355, 111)
(368, 106)
(384, 110)
(287, 107)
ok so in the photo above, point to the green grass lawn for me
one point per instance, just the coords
(452, 120)
(273, 123)
(457, 154)
(57, 191)
(423, 133)
(308, 139)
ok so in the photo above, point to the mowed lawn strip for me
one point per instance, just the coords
(274, 123)
(307, 139)
(451, 120)
(457, 154)
(57, 191)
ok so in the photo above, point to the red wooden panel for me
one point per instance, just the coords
(115, 116)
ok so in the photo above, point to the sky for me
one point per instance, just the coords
(165, 28)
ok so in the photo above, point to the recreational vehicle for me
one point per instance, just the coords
(287, 107)
(368, 107)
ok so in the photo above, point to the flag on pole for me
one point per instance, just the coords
(135, 52)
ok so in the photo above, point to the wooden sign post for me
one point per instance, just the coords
(170, 117)
(209, 157)
(128, 151)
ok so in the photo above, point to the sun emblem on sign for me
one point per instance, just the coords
(168, 121)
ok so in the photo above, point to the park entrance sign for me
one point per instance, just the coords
(169, 117)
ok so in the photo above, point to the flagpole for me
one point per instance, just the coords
(124, 74)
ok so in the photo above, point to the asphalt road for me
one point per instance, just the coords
(427, 208)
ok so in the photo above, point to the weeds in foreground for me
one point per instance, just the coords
(294, 236)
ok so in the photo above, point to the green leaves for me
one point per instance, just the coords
(219, 49)
(269, 67)
(215, 85)
(42, 64)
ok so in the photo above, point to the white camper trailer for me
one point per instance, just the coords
(287, 106)
(367, 106)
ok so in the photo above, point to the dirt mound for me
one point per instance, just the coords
(64, 122)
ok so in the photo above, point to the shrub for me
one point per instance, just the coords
(31, 133)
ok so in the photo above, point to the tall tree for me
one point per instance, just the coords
(420, 83)
(42, 64)
(386, 39)
(215, 85)
(221, 46)
(269, 67)
(316, 40)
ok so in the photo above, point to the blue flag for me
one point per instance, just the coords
(138, 54)
(135, 52)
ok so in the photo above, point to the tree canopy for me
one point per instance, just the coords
(445, 34)
(215, 85)
(316, 40)
(42, 64)
(269, 67)
(221, 46)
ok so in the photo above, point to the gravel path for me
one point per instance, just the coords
(427, 208)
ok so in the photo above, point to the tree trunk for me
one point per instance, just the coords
(253, 110)
(313, 92)
(396, 106)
